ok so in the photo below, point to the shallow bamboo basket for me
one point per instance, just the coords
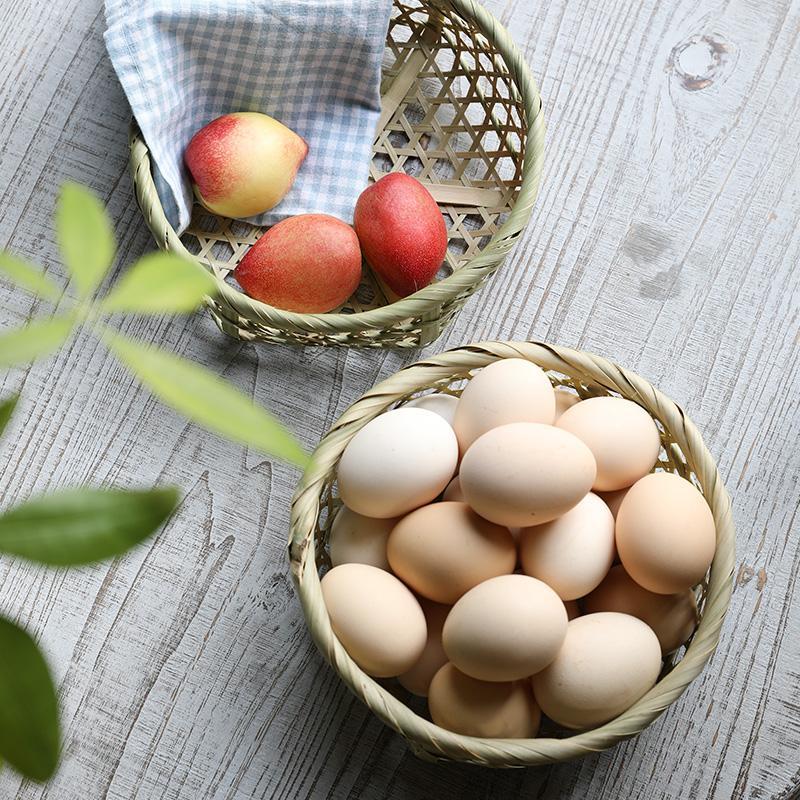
(682, 452)
(461, 112)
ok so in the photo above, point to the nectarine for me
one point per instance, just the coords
(309, 263)
(243, 164)
(402, 232)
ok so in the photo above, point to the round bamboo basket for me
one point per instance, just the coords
(682, 452)
(461, 112)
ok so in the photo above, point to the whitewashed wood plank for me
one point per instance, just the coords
(664, 237)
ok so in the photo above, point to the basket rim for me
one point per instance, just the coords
(427, 300)
(427, 739)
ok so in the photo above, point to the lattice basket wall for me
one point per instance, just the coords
(460, 112)
(682, 452)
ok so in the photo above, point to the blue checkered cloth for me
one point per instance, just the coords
(312, 64)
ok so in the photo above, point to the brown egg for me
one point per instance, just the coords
(665, 533)
(418, 678)
(613, 499)
(564, 399)
(376, 618)
(672, 617)
(621, 435)
(607, 662)
(505, 628)
(470, 707)
(444, 549)
(356, 539)
(508, 390)
(573, 552)
(526, 474)
(453, 491)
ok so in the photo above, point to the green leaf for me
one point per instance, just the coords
(7, 407)
(79, 526)
(28, 276)
(206, 399)
(29, 735)
(38, 338)
(85, 237)
(158, 283)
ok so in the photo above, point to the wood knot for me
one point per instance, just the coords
(699, 61)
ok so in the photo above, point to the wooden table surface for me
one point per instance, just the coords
(664, 237)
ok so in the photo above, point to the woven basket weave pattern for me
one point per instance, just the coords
(461, 113)
(682, 452)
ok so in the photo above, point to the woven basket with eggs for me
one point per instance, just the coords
(680, 451)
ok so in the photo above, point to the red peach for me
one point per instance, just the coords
(243, 164)
(402, 232)
(310, 263)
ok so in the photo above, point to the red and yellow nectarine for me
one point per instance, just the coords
(402, 232)
(310, 263)
(243, 164)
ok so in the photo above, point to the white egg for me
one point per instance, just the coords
(442, 404)
(573, 553)
(397, 462)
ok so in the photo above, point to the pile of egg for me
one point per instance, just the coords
(474, 556)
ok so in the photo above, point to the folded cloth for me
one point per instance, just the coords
(312, 64)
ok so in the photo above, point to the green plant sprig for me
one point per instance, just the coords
(77, 526)
(158, 283)
(69, 527)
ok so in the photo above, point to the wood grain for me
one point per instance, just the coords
(665, 237)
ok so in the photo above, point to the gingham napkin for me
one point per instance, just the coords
(312, 64)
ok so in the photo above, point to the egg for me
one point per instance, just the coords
(572, 553)
(508, 390)
(355, 539)
(622, 436)
(665, 533)
(453, 491)
(397, 462)
(444, 549)
(564, 399)
(418, 678)
(614, 499)
(607, 662)
(442, 404)
(505, 628)
(573, 609)
(526, 474)
(461, 704)
(672, 617)
(376, 618)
